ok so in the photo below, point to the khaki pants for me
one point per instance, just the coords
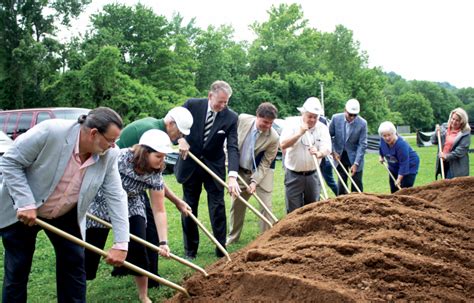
(238, 209)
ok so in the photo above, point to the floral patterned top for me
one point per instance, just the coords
(134, 184)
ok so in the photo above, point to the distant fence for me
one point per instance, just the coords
(373, 142)
(403, 129)
(423, 139)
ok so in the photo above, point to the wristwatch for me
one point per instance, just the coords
(163, 242)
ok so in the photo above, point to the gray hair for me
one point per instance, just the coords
(387, 127)
(223, 86)
(100, 118)
(462, 116)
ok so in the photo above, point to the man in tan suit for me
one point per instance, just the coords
(258, 146)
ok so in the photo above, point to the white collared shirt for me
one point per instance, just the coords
(297, 157)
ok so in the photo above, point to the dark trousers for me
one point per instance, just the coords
(136, 255)
(326, 171)
(19, 244)
(407, 181)
(357, 177)
(215, 201)
(96, 237)
(153, 238)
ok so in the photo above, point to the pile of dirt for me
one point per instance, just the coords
(416, 245)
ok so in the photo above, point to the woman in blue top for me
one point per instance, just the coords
(403, 162)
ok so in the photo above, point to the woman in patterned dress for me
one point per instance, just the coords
(140, 168)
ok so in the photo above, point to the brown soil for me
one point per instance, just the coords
(416, 245)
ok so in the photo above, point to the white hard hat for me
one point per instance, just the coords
(311, 105)
(353, 106)
(183, 118)
(157, 140)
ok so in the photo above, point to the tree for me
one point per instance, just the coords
(28, 48)
(466, 95)
(442, 101)
(367, 87)
(341, 54)
(416, 110)
(100, 83)
(218, 57)
(153, 50)
(284, 44)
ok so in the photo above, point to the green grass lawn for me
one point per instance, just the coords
(42, 285)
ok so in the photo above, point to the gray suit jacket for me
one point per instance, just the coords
(35, 163)
(355, 145)
(458, 158)
(267, 143)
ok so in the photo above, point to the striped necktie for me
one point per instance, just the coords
(208, 124)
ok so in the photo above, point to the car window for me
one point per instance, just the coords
(71, 114)
(42, 116)
(2, 121)
(24, 123)
(11, 124)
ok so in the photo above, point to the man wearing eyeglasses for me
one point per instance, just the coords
(300, 139)
(53, 172)
(349, 141)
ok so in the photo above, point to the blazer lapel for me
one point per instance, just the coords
(243, 131)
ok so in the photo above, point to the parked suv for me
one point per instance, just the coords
(16, 122)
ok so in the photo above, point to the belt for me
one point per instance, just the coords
(246, 171)
(303, 173)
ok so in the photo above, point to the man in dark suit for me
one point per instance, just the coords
(213, 123)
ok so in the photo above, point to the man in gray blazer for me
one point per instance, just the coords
(53, 172)
(348, 132)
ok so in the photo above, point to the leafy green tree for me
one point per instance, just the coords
(368, 87)
(29, 51)
(218, 57)
(284, 44)
(469, 108)
(442, 101)
(342, 55)
(395, 87)
(100, 83)
(153, 50)
(416, 110)
(466, 95)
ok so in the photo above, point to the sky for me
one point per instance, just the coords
(418, 39)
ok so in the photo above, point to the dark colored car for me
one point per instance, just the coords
(170, 161)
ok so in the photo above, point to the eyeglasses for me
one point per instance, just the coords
(352, 115)
(110, 141)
